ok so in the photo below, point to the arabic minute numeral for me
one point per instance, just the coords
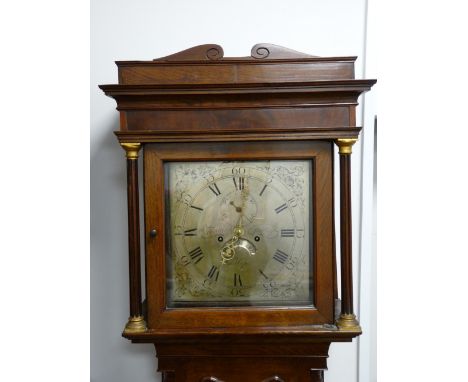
(209, 179)
(292, 202)
(186, 198)
(237, 292)
(238, 171)
(291, 264)
(299, 233)
(184, 260)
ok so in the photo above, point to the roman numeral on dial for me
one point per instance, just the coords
(190, 232)
(196, 254)
(239, 183)
(281, 208)
(215, 189)
(288, 232)
(263, 190)
(237, 280)
(213, 273)
(280, 256)
(263, 274)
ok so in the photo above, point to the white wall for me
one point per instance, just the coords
(144, 30)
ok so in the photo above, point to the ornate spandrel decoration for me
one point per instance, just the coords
(214, 52)
(293, 178)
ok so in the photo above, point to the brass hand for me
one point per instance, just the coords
(228, 251)
(238, 209)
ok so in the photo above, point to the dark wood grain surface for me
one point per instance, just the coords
(346, 235)
(134, 238)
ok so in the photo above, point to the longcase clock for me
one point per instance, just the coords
(238, 164)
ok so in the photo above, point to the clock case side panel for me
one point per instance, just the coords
(159, 316)
(154, 221)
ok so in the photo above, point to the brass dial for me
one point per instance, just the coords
(239, 233)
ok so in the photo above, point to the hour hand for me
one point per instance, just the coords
(238, 209)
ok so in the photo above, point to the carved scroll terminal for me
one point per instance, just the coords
(206, 52)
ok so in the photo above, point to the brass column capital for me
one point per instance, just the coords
(345, 145)
(131, 149)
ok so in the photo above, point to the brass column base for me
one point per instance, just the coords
(348, 322)
(135, 324)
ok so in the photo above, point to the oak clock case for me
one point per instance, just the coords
(238, 185)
